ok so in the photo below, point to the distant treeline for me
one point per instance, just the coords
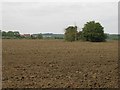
(113, 36)
(17, 35)
(92, 31)
(10, 35)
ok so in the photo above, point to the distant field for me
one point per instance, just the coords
(54, 63)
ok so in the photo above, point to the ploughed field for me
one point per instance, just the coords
(56, 63)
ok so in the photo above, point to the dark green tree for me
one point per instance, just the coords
(79, 35)
(93, 32)
(40, 36)
(16, 34)
(10, 34)
(71, 33)
(4, 33)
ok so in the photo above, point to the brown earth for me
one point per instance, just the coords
(53, 63)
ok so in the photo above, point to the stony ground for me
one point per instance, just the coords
(53, 63)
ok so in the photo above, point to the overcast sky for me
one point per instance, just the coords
(42, 17)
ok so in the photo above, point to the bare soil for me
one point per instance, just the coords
(59, 64)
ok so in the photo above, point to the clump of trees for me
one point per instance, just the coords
(17, 35)
(92, 31)
(40, 36)
(10, 34)
(71, 33)
(37, 36)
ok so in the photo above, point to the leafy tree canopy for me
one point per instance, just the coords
(71, 33)
(94, 32)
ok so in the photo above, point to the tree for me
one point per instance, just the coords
(40, 36)
(71, 33)
(16, 34)
(4, 33)
(79, 35)
(93, 32)
(10, 33)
